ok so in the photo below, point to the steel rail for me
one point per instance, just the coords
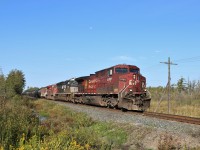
(178, 118)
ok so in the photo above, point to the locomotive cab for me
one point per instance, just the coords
(66, 89)
(131, 74)
(68, 86)
(132, 94)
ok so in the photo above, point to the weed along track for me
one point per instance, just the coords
(185, 119)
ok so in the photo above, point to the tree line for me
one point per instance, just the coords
(184, 90)
(13, 84)
(187, 86)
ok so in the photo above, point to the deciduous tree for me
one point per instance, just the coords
(15, 83)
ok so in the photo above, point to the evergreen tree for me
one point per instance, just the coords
(2, 86)
(2, 90)
(181, 85)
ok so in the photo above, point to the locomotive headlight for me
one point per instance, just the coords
(143, 85)
(131, 90)
(134, 76)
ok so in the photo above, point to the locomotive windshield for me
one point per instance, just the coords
(121, 70)
(125, 70)
(134, 70)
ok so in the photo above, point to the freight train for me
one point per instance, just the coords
(120, 86)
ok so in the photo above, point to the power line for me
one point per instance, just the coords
(188, 61)
(184, 60)
(191, 59)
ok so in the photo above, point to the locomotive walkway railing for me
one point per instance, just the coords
(121, 93)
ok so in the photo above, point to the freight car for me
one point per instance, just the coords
(121, 86)
(32, 93)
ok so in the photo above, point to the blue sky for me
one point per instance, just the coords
(54, 40)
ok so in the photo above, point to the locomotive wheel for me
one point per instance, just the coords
(102, 102)
(112, 102)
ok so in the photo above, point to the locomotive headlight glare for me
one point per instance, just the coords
(131, 90)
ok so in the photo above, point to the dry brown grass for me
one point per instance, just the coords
(168, 142)
(185, 103)
(186, 108)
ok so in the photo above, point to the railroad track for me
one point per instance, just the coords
(178, 118)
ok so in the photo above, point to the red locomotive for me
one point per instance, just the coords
(120, 86)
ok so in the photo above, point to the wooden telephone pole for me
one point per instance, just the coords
(169, 63)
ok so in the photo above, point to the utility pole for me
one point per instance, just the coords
(169, 80)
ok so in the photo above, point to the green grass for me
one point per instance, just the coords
(113, 134)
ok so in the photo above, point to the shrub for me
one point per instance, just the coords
(167, 142)
(16, 119)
